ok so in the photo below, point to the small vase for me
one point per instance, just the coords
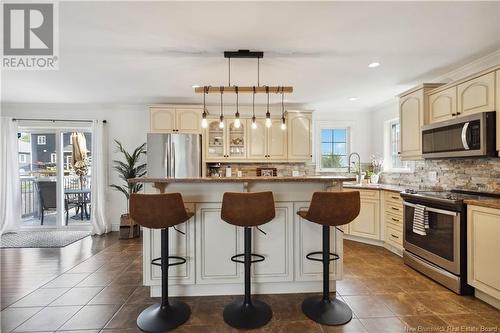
(374, 179)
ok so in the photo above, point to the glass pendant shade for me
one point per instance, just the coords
(254, 123)
(283, 124)
(268, 120)
(221, 122)
(204, 122)
(237, 121)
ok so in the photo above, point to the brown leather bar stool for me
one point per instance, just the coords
(330, 209)
(161, 211)
(247, 210)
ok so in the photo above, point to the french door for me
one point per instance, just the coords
(55, 169)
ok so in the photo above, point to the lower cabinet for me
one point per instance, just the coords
(367, 224)
(483, 250)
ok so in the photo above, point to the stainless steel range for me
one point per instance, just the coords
(440, 252)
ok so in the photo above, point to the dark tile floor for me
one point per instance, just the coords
(104, 294)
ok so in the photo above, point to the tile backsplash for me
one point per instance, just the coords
(474, 174)
(283, 169)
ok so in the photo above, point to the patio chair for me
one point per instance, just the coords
(47, 196)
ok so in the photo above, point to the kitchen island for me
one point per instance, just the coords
(208, 243)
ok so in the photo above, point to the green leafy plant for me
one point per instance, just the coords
(129, 168)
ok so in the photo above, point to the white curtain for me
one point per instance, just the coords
(100, 225)
(10, 185)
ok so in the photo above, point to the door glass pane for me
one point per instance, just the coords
(77, 168)
(215, 140)
(38, 178)
(237, 144)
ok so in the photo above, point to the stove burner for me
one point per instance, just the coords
(411, 191)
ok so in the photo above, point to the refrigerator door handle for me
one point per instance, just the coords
(173, 160)
(167, 157)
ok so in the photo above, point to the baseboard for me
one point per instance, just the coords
(487, 298)
(375, 242)
(393, 249)
(237, 289)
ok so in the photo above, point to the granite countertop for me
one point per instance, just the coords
(385, 187)
(304, 179)
(484, 202)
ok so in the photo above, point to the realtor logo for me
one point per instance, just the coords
(29, 36)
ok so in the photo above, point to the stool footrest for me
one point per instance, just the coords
(259, 257)
(332, 256)
(180, 261)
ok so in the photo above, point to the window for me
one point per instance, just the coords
(67, 163)
(392, 161)
(334, 148)
(22, 158)
(41, 140)
(53, 158)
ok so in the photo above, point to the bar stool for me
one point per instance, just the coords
(161, 211)
(329, 209)
(247, 210)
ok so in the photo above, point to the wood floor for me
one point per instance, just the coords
(95, 285)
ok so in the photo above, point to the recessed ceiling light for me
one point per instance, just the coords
(374, 64)
(195, 86)
(352, 99)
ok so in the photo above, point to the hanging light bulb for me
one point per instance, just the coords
(283, 122)
(237, 121)
(221, 118)
(204, 122)
(254, 123)
(268, 114)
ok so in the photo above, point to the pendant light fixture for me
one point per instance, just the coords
(254, 123)
(237, 122)
(204, 121)
(221, 118)
(268, 114)
(283, 123)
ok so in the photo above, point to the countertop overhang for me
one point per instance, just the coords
(303, 179)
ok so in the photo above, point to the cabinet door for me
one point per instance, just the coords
(497, 97)
(188, 120)
(367, 224)
(236, 148)
(276, 246)
(276, 141)
(162, 120)
(257, 138)
(214, 141)
(299, 137)
(216, 242)
(411, 120)
(483, 249)
(477, 95)
(308, 238)
(442, 105)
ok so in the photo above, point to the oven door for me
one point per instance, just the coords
(441, 244)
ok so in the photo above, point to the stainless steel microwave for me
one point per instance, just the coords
(468, 136)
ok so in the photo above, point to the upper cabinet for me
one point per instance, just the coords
(173, 119)
(411, 117)
(443, 105)
(477, 95)
(299, 128)
(227, 143)
(267, 143)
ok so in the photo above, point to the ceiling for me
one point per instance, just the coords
(142, 53)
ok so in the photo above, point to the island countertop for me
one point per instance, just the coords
(305, 179)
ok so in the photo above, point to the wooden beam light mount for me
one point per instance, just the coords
(244, 90)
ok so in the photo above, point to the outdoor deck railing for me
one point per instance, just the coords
(29, 197)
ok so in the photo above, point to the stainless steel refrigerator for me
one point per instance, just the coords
(174, 155)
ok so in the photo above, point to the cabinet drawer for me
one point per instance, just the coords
(394, 237)
(365, 194)
(393, 196)
(392, 208)
(394, 220)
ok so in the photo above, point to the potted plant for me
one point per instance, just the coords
(377, 165)
(129, 168)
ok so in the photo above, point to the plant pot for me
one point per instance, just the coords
(374, 179)
(128, 227)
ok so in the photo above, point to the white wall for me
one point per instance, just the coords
(126, 123)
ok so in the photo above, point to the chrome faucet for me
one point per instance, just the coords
(360, 181)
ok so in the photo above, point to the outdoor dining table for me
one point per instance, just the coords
(83, 196)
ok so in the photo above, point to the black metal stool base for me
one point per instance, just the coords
(330, 312)
(156, 319)
(247, 316)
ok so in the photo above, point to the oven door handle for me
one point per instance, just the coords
(434, 210)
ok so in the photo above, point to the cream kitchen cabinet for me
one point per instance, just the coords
(173, 119)
(267, 143)
(483, 250)
(476, 95)
(443, 105)
(299, 125)
(228, 143)
(393, 215)
(497, 98)
(367, 224)
(413, 106)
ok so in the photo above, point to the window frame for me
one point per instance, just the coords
(41, 140)
(388, 156)
(322, 125)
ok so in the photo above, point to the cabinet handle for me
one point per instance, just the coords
(394, 219)
(396, 198)
(453, 114)
(394, 208)
(459, 113)
(394, 236)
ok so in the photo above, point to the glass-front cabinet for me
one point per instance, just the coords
(228, 143)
